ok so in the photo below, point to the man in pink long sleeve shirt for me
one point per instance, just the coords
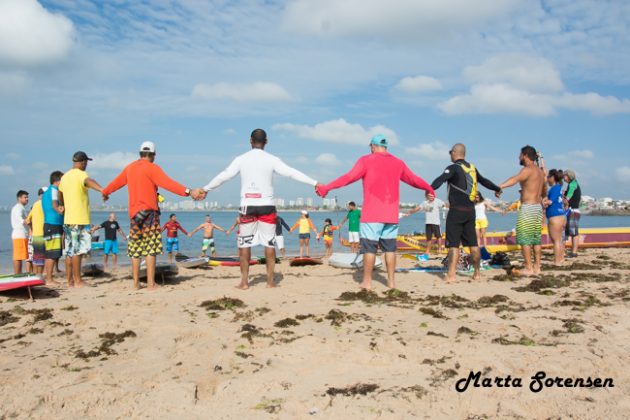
(381, 173)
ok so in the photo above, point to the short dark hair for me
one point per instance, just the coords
(328, 221)
(21, 193)
(172, 215)
(146, 154)
(40, 191)
(55, 177)
(352, 203)
(530, 152)
(556, 174)
(259, 136)
(480, 196)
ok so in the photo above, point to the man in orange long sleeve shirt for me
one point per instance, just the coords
(143, 177)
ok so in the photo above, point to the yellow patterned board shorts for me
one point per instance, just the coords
(145, 236)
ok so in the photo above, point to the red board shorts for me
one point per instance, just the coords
(257, 227)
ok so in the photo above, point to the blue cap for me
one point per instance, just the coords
(379, 140)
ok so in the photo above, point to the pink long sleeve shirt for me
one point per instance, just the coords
(381, 174)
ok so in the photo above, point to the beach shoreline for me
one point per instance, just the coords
(314, 347)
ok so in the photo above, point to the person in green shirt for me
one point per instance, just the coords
(354, 225)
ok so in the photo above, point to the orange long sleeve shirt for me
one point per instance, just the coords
(143, 179)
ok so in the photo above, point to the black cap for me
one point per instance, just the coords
(80, 157)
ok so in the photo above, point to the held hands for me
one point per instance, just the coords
(318, 190)
(430, 196)
(198, 194)
(105, 198)
(498, 194)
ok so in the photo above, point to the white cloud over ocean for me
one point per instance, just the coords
(243, 92)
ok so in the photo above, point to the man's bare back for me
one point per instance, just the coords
(532, 180)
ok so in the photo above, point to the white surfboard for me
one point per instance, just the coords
(349, 260)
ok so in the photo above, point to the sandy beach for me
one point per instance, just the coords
(314, 348)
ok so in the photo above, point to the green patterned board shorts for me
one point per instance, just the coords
(78, 240)
(529, 224)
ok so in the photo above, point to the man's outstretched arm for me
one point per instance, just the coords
(228, 173)
(357, 172)
(283, 169)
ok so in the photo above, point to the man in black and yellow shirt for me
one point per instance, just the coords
(462, 178)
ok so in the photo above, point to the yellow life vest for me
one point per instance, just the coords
(470, 173)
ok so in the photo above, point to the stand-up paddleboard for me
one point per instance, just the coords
(163, 269)
(92, 270)
(350, 260)
(193, 262)
(228, 262)
(440, 269)
(97, 246)
(304, 261)
(17, 281)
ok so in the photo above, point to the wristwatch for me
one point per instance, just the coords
(187, 191)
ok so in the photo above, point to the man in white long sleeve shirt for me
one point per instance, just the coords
(257, 213)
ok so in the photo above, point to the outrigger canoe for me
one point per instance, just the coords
(506, 241)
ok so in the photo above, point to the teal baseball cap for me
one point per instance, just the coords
(379, 140)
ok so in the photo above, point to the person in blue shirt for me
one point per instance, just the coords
(53, 226)
(556, 214)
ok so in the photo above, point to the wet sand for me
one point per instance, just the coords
(314, 347)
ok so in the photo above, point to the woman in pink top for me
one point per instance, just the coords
(381, 173)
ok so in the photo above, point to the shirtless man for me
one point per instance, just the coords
(208, 235)
(530, 214)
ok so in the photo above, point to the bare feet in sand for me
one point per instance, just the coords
(271, 285)
(391, 285)
(476, 276)
(366, 285)
(450, 280)
(53, 283)
(242, 286)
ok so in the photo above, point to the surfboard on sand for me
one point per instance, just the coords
(163, 269)
(92, 269)
(304, 261)
(193, 262)
(349, 260)
(16, 281)
(229, 261)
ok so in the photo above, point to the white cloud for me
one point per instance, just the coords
(115, 160)
(499, 99)
(623, 173)
(518, 84)
(338, 131)
(31, 35)
(7, 170)
(12, 156)
(581, 154)
(328, 159)
(40, 165)
(530, 73)
(418, 84)
(253, 92)
(432, 151)
(229, 131)
(392, 19)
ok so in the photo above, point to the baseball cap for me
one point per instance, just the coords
(147, 146)
(304, 212)
(80, 157)
(379, 140)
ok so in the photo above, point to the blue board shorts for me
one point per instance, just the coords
(172, 245)
(110, 247)
(381, 235)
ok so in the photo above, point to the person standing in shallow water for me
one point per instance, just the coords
(530, 215)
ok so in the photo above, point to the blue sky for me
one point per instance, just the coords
(321, 76)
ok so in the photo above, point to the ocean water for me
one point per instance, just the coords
(226, 245)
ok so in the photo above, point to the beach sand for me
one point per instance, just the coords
(304, 350)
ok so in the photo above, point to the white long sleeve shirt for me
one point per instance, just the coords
(257, 168)
(18, 214)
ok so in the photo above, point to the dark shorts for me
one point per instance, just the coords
(460, 228)
(304, 236)
(369, 246)
(433, 231)
(53, 241)
(573, 225)
(145, 237)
